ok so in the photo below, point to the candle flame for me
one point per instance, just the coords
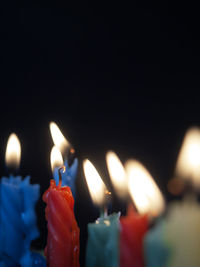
(13, 152)
(117, 173)
(95, 184)
(188, 163)
(56, 158)
(144, 191)
(58, 138)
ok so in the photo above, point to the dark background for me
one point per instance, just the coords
(126, 79)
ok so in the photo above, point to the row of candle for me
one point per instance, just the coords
(112, 240)
(174, 238)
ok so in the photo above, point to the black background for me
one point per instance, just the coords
(115, 76)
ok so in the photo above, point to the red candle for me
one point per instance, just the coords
(133, 228)
(62, 248)
(149, 202)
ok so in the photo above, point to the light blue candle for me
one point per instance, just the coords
(103, 242)
(156, 250)
(103, 235)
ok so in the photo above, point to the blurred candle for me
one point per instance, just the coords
(156, 249)
(67, 151)
(178, 232)
(63, 232)
(183, 218)
(18, 220)
(149, 203)
(103, 235)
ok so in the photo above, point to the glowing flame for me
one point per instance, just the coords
(117, 173)
(95, 184)
(13, 152)
(58, 138)
(144, 191)
(56, 158)
(188, 163)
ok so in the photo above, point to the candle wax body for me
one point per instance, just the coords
(182, 233)
(62, 248)
(17, 220)
(103, 242)
(133, 229)
(69, 176)
(156, 250)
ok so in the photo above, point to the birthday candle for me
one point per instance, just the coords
(182, 231)
(17, 215)
(177, 236)
(149, 202)
(156, 249)
(63, 232)
(103, 235)
(68, 153)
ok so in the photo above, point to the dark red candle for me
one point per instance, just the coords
(62, 248)
(133, 228)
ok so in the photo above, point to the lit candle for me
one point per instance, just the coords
(103, 235)
(149, 203)
(18, 220)
(183, 219)
(71, 163)
(63, 232)
(137, 180)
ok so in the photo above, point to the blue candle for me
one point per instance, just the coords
(17, 215)
(69, 176)
(18, 219)
(156, 250)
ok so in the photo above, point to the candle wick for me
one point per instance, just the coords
(63, 169)
(104, 211)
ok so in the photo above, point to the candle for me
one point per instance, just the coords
(156, 249)
(177, 235)
(70, 162)
(17, 215)
(148, 200)
(103, 235)
(183, 219)
(63, 232)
